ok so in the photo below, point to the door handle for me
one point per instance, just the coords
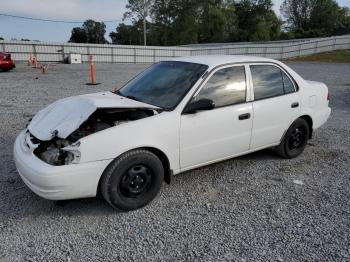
(244, 116)
(295, 105)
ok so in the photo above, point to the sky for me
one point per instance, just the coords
(66, 10)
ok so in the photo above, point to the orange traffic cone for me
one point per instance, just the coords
(30, 60)
(92, 72)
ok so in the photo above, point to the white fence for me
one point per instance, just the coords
(56, 52)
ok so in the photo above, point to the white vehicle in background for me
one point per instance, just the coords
(175, 116)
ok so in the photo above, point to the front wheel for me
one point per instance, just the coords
(295, 139)
(132, 180)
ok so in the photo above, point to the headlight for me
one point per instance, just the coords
(73, 156)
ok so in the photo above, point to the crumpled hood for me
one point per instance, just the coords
(64, 116)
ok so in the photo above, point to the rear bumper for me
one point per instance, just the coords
(57, 182)
(7, 65)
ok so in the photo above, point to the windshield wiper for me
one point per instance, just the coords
(130, 97)
(133, 98)
(117, 92)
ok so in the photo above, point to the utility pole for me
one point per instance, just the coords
(144, 23)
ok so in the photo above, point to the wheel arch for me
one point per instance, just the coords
(168, 172)
(310, 123)
(165, 161)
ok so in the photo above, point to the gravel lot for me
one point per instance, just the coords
(256, 207)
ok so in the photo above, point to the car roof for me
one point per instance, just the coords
(217, 60)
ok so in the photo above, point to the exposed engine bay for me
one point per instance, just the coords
(57, 151)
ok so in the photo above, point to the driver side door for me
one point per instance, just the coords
(223, 132)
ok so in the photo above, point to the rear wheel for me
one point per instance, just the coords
(132, 180)
(295, 139)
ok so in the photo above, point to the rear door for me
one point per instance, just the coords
(276, 104)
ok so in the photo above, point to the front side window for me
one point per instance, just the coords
(225, 87)
(164, 84)
(270, 81)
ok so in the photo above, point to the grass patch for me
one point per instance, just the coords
(339, 56)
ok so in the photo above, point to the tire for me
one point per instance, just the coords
(295, 139)
(132, 180)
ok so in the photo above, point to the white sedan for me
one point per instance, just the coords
(175, 116)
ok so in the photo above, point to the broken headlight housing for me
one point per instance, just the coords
(64, 156)
(73, 154)
(72, 157)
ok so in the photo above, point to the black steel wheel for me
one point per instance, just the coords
(132, 180)
(295, 139)
(136, 181)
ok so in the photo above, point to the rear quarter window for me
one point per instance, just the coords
(288, 84)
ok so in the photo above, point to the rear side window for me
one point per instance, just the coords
(267, 81)
(270, 81)
(225, 87)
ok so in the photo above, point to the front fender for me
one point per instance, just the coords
(160, 132)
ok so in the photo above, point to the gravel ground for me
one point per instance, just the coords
(256, 207)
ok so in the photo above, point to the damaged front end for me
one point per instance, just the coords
(64, 151)
(55, 131)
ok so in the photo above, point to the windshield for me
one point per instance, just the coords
(163, 84)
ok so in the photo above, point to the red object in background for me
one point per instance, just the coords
(6, 63)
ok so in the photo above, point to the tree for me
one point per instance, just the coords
(127, 34)
(78, 35)
(193, 21)
(218, 21)
(257, 21)
(91, 32)
(1, 38)
(313, 18)
(138, 10)
(174, 22)
(163, 14)
(95, 31)
(343, 22)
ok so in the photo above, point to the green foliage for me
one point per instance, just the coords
(257, 21)
(180, 22)
(315, 18)
(135, 9)
(91, 32)
(78, 35)
(218, 21)
(175, 22)
(128, 34)
(95, 31)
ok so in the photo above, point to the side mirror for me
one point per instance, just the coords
(200, 105)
